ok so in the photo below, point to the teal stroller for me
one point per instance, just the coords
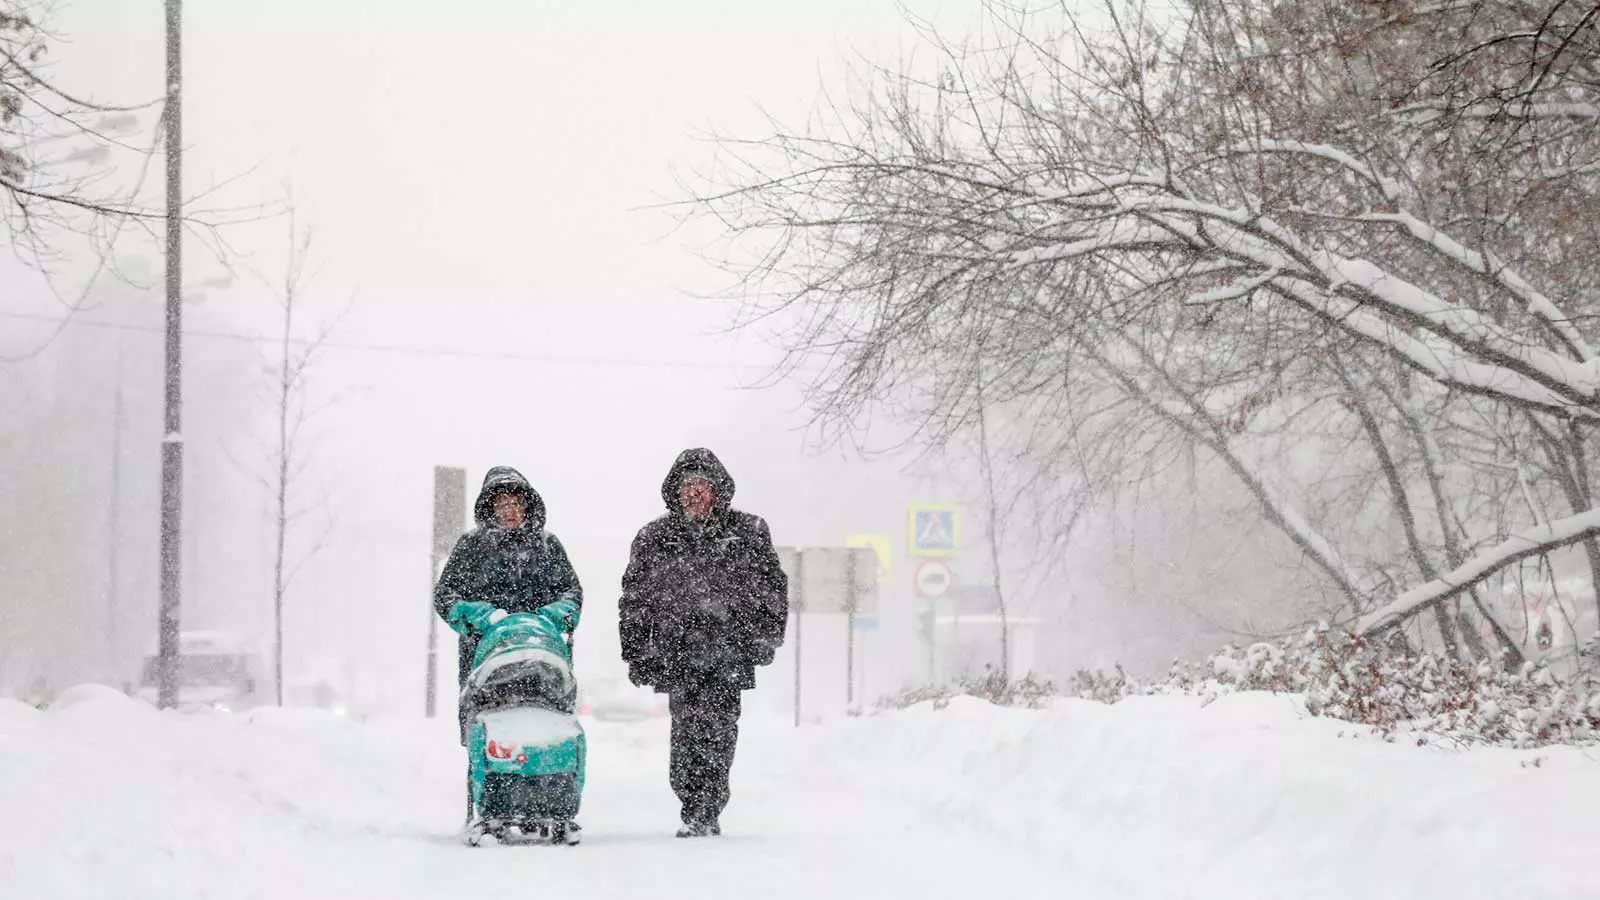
(525, 745)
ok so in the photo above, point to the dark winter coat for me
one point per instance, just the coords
(702, 602)
(517, 571)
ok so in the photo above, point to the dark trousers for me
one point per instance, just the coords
(705, 731)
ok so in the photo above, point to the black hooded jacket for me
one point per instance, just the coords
(517, 571)
(701, 601)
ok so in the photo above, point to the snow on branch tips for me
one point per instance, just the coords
(1387, 188)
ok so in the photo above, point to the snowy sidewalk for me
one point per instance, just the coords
(101, 797)
(1161, 797)
(785, 837)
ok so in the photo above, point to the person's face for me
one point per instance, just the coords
(509, 510)
(697, 496)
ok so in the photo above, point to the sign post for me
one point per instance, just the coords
(833, 580)
(449, 518)
(799, 617)
(863, 624)
(932, 580)
(850, 632)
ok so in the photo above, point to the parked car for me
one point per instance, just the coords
(219, 669)
(618, 700)
(314, 693)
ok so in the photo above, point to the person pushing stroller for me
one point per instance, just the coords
(509, 563)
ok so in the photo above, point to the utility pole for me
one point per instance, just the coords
(172, 431)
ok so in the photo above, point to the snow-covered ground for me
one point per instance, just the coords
(1157, 797)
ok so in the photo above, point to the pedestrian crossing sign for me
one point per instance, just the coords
(933, 530)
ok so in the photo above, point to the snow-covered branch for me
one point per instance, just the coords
(1530, 542)
(1487, 266)
(1443, 363)
(1386, 187)
(1474, 353)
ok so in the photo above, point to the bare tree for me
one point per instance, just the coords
(66, 193)
(296, 358)
(48, 131)
(1009, 496)
(996, 525)
(1252, 224)
(289, 454)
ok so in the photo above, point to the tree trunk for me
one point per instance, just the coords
(1454, 552)
(1402, 503)
(1565, 453)
(995, 527)
(1580, 473)
(285, 382)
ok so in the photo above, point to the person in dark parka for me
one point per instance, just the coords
(704, 604)
(509, 563)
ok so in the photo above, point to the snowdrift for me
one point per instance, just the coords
(1154, 797)
(1243, 796)
(102, 795)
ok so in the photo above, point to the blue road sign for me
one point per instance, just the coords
(933, 530)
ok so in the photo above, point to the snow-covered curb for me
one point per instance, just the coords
(1246, 795)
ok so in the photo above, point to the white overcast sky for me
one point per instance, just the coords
(473, 173)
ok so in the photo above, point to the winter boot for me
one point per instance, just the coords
(693, 828)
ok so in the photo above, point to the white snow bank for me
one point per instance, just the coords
(15, 709)
(102, 795)
(1155, 797)
(1242, 797)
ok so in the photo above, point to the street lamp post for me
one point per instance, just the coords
(172, 431)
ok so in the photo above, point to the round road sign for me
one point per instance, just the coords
(934, 578)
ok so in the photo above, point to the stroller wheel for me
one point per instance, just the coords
(564, 833)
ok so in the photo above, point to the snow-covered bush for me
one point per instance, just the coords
(1099, 686)
(907, 697)
(1030, 692)
(1424, 697)
(1420, 697)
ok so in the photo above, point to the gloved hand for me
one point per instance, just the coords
(644, 672)
(474, 616)
(762, 652)
(563, 614)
